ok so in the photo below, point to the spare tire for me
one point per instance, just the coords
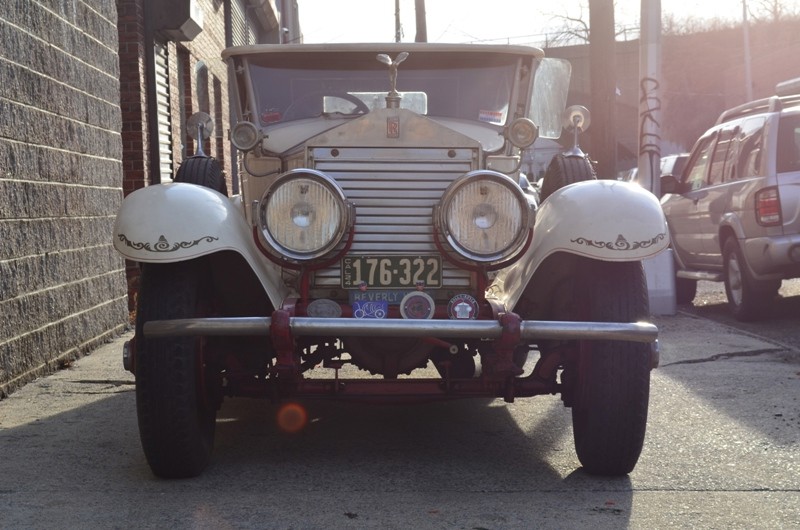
(203, 171)
(566, 169)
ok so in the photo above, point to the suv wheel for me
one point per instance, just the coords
(175, 402)
(747, 297)
(611, 378)
(563, 170)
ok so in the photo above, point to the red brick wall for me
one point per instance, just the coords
(206, 47)
(183, 59)
(130, 25)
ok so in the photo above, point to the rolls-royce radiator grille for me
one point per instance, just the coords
(394, 191)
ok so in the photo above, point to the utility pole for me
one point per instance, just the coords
(398, 29)
(649, 168)
(422, 22)
(748, 76)
(659, 269)
(603, 83)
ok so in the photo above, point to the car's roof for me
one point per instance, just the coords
(771, 104)
(391, 48)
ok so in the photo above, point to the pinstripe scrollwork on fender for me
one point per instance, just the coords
(162, 245)
(620, 244)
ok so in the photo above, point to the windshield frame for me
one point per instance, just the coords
(421, 56)
(462, 89)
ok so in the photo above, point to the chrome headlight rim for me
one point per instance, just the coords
(245, 136)
(522, 133)
(340, 228)
(515, 243)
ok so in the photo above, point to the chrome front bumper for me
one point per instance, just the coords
(348, 327)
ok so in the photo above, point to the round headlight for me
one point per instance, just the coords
(522, 133)
(303, 214)
(485, 216)
(245, 136)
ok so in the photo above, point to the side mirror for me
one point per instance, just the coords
(669, 184)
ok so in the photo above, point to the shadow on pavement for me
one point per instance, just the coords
(354, 465)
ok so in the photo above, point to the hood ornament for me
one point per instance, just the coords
(393, 97)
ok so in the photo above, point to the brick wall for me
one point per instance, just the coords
(206, 48)
(135, 43)
(62, 286)
(183, 60)
(132, 83)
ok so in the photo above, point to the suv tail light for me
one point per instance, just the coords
(768, 207)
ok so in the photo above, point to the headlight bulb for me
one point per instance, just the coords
(302, 214)
(485, 215)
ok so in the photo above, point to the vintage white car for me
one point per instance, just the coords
(382, 226)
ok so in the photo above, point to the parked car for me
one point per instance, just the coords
(734, 211)
(381, 226)
(672, 165)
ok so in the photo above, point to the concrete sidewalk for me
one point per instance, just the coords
(721, 452)
(683, 339)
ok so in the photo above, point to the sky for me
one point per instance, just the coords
(484, 21)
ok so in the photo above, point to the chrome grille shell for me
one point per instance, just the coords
(394, 184)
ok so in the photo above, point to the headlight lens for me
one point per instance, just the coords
(303, 214)
(485, 216)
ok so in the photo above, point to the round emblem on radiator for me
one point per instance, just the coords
(417, 304)
(462, 307)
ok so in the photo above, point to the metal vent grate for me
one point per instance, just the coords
(394, 191)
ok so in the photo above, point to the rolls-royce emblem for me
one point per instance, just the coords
(393, 97)
(393, 127)
(392, 64)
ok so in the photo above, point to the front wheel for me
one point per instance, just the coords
(611, 378)
(747, 297)
(177, 394)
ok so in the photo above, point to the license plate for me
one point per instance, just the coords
(392, 272)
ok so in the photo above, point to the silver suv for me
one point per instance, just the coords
(734, 212)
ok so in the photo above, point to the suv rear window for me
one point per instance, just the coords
(789, 144)
(750, 146)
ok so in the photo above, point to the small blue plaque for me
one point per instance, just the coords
(370, 309)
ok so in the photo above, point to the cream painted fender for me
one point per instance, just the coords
(167, 223)
(602, 219)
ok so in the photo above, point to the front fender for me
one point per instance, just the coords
(607, 220)
(174, 222)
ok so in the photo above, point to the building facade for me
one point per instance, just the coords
(702, 74)
(94, 98)
(62, 286)
(170, 69)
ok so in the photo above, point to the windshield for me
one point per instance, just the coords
(443, 85)
(550, 91)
